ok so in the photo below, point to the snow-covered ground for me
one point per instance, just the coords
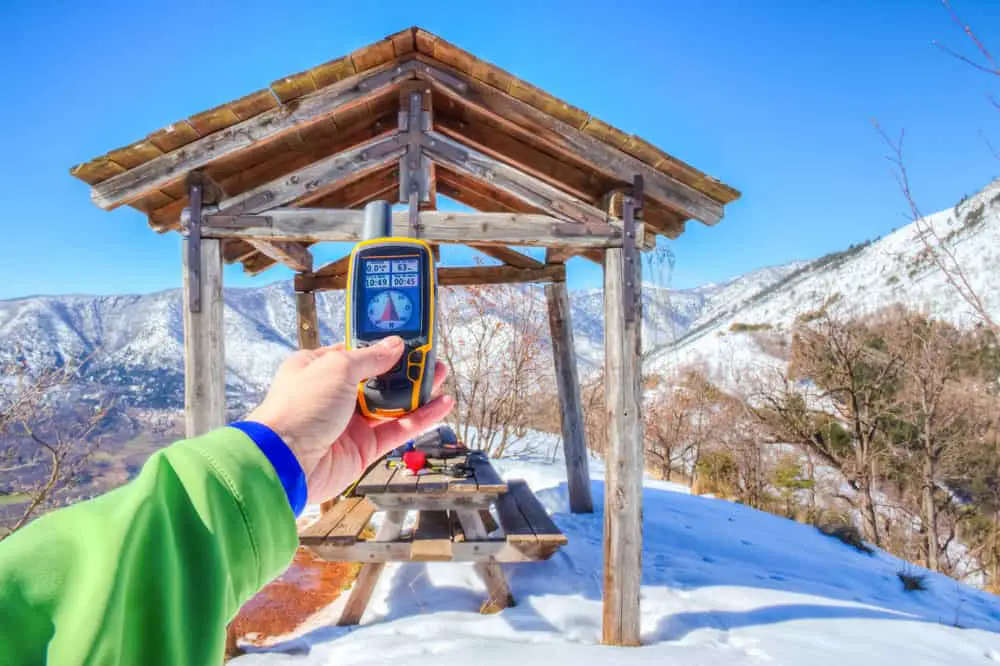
(722, 584)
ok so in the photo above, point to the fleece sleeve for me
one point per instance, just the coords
(152, 572)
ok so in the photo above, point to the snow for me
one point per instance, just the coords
(721, 584)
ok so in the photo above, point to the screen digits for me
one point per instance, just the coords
(392, 296)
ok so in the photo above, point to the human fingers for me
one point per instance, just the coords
(440, 375)
(298, 360)
(392, 434)
(360, 364)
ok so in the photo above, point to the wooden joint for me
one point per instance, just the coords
(194, 248)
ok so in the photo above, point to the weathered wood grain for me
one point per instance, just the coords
(308, 320)
(469, 551)
(317, 532)
(623, 477)
(431, 537)
(315, 179)
(204, 344)
(361, 593)
(338, 225)
(536, 515)
(491, 139)
(609, 160)
(355, 519)
(571, 407)
(528, 188)
(127, 186)
(490, 572)
(507, 255)
(292, 254)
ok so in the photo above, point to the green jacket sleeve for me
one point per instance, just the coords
(152, 572)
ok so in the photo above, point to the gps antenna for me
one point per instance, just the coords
(378, 220)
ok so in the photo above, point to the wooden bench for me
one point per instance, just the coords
(453, 524)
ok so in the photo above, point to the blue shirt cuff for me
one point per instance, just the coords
(285, 464)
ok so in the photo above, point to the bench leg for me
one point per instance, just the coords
(361, 592)
(490, 572)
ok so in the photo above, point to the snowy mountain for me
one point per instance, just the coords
(857, 281)
(133, 345)
(722, 584)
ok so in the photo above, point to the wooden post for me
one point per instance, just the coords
(623, 481)
(204, 345)
(308, 329)
(305, 306)
(571, 409)
(361, 593)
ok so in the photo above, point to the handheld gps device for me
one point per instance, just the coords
(391, 290)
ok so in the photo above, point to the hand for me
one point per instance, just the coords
(312, 405)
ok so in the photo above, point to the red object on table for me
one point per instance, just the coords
(415, 460)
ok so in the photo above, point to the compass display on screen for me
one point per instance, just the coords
(390, 310)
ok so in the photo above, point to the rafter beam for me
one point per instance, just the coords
(452, 276)
(294, 255)
(512, 112)
(527, 188)
(313, 181)
(330, 224)
(507, 255)
(304, 111)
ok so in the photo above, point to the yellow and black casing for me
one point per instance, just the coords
(409, 383)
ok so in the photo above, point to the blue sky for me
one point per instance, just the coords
(774, 98)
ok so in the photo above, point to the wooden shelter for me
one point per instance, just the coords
(259, 180)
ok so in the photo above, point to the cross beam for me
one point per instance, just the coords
(451, 276)
(337, 225)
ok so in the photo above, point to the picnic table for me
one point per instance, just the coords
(454, 522)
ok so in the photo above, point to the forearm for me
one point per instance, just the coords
(153, 571)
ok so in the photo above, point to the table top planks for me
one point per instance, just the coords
(317, 532)
(395, 479)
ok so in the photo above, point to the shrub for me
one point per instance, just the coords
(840, 528)
(717, 474)
(740, 327)
(912, 582)
(893, 279)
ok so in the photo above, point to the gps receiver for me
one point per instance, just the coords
(392, 290)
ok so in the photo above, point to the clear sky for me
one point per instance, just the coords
(774, 98)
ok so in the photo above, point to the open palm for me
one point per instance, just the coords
(312, 406)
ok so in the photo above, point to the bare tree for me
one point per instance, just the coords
(939, 408)
(681, 420)
(835, 402)
(494, 340)
(939, 251)
(46, 443)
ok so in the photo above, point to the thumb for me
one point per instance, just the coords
(370, 361)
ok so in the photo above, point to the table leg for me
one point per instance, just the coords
(361, 592)
(490, 572)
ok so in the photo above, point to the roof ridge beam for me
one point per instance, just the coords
(132, 184)
(530, 189)
(606, 158)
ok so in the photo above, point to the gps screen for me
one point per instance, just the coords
(390, 303)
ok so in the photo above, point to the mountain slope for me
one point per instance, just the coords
(133, 345)
(857, 281)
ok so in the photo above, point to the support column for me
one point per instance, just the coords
(571, 409)
(204, 345)
(623, 482)
(308, 329)
(308, 320)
